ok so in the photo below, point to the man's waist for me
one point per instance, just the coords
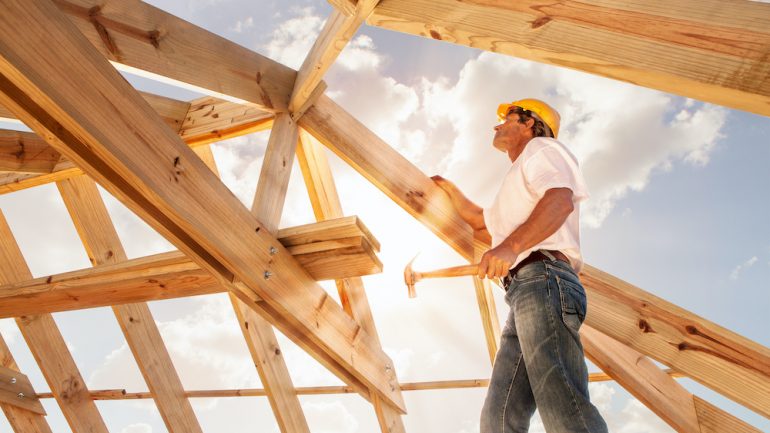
(536, 256)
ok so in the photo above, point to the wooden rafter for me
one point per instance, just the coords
(49, 349)
(91, 118)
(653, 387)
(726, 362)
(709, 50)
(145, 38)
(326, 205)
(93, 224)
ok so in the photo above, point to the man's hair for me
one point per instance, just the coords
(539, 129)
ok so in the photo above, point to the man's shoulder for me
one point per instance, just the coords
(538, 144)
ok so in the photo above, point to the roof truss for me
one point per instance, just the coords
(162, 180)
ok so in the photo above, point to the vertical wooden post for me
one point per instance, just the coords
(326, 205)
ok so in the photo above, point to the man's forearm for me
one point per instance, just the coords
(549, 214)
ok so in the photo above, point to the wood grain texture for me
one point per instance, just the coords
(25, 152)
(645, 381)
(489, 320)
(708, 50)
(48, 347)
(158, 177)
(258, 333)
(326, 205)
(710, 354)
(101, 241)
(16, 390)
(21, 420)
(140, 36)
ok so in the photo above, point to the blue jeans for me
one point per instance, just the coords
(540, 363)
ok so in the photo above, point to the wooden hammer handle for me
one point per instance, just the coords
(455, 271)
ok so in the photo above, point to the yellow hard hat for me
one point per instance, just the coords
(540, 109)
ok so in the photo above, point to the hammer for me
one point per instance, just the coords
(411, 277)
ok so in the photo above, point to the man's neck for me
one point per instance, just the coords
(515, 151)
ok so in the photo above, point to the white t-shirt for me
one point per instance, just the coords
(545, 163)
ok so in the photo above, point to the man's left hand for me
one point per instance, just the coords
(496, 262)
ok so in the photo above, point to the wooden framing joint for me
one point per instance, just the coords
(314, 95)
(16, 390)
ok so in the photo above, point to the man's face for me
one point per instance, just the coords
(511, 133)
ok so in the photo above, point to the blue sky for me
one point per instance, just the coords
(678, 208)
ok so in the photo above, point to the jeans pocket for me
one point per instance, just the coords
(573, 303)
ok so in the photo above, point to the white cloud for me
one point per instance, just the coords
(137, 428)
(292, 40)
(742, 267)
(9, 331)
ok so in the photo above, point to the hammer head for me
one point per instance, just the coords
(410, 278)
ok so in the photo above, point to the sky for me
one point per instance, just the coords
(678, 207)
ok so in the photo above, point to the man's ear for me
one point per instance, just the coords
(530, 123)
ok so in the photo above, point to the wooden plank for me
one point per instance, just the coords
(21, 420)
(717, 358)
(145, 38)
(335, 35)
(708, 50)
(645, 381)
(25, 152)
(656, 389)
(92, 117)
(48, 347)
(170, 275)
(318, 178)
(276, 169)
(93, 224)
(16, 390)
(489, 320)
(211, 119)
(728, 363)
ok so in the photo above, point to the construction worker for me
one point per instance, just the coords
(533, 223)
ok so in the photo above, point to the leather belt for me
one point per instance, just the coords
(534, 256)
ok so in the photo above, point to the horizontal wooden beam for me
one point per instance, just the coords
(121, 394)
(145, 38)
(56, 83)
(708, 50)
(720, 359)
(202, 121)
(321, 248)
(25, 152)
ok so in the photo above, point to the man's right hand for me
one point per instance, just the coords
(444, 184)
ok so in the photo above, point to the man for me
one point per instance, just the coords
(534, 226)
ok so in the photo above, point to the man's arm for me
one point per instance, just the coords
(470, 212)
(548, 215)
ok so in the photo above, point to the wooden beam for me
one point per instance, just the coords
(144, 38)
(489, 320)
(21, 420)
(707, 50)
(203, 121)
(729, 363)
(121, 394)
(25, 152)
(326, 205)
(267, 206)
(93, 224)
(173, 275)
(48, 347)
(653, 387)
(722, 360)
(335, 35)
(16, 390)
(92, 117)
